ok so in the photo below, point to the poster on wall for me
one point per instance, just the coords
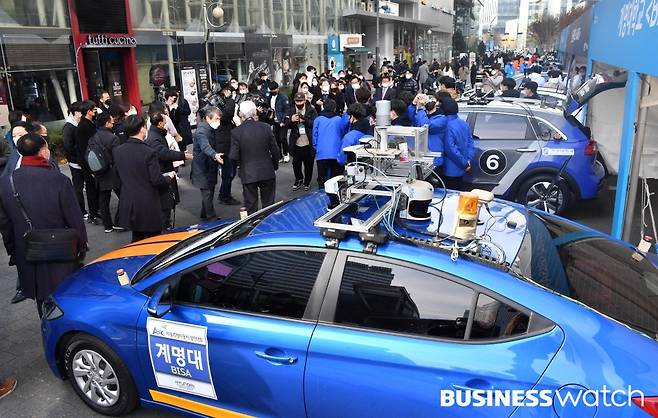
(204, 85)
(190, 92)
(336, 63)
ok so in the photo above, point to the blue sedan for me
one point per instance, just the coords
(265, 317)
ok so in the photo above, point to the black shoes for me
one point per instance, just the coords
(18, 297)
(230, 201)
(298, 185)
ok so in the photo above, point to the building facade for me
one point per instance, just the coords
(57, 51)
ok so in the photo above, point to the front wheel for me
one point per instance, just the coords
(99, 377)
(534, 193)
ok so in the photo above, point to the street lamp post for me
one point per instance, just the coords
(377, 45)
(217, 12)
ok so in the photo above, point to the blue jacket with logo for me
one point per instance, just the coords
(360, 129)
(459, 147)
(328, 132)
(437, 130)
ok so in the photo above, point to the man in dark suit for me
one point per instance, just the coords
(254, 150)
(280, 108)
(141, 182)
(48, 198)
(386, 91)
(205, 160)
(87, 129)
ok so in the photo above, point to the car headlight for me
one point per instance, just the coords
(50, 309)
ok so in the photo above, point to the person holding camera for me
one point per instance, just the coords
(492, 80)
(300, 123)
(427, 113)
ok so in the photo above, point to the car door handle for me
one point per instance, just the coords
(525, 150)
(276, 359)
(474, 384)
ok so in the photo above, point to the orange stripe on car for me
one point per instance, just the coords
(194, 406)
(150, 246)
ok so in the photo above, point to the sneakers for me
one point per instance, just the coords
(286, 158)
(107, 231)
(93, 220)
(307, 188)
(119, 228)
(85, 216)
(18, 297)
(7, 386)
(297, 185)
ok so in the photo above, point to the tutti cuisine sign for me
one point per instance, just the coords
(110, 41)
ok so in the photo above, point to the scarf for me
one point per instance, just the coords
(70, 119)
(35, 161)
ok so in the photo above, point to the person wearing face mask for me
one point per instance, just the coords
(322, 96)
(427, 114)
(206, 159)
(45, 195)
(359, 127)
(350, 90)
(140, 210)
(104, 102)
(328, 132)
(264, 85)
(234, 84)
(408, 83)
(280, 109)
(398, 113)
(87, 129)
(386, 91)
(156, 139)
(105, 140)
(530, 90)
(300, 123)
(13, 161)
(120, 111)
(183, 127)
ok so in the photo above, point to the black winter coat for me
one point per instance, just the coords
(85, 131)
(68, 142)
(254, 150)
(106, 139)
(141, 184)
(309, 117)
(50, 202)
(182, 114)
(157, 140)
(223, 133)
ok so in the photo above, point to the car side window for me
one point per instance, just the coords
(502, 126)
(546, 132)
(274, 282)
(390, 297)
(494, 319)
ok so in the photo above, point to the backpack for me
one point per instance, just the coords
(96, 159)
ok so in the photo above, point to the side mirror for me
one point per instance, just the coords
(161, 302)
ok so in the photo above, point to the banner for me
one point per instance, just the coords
(190, 92)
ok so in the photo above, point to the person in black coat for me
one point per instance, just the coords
(280, 107)
(184, 128)
(223, 146)
(157, 140)
(87, 129)
(300, 123)
(68, 142)
(254, 150)
(46, 196)
(107, 141)
(205, 160)
(408, 83)
(141, 182)
(386, 91)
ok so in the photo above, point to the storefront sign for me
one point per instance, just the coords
(351, 41)
(190, 92)
(179, 357)
(389, 8)
(333, 44)
(110, 41)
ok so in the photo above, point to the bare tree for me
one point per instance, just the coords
(545, 30)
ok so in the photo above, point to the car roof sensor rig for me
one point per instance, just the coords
(382, 187)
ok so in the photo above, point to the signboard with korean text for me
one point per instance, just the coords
(179, 357)
(623, 34)
(354, 40)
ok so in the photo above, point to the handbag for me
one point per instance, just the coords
(47, 245)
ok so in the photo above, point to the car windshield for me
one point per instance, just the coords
(206, 240)
(592, 269)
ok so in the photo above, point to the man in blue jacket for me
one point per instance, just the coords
(328, 132)
(459, 149)
(359, 127)
(427, 113)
